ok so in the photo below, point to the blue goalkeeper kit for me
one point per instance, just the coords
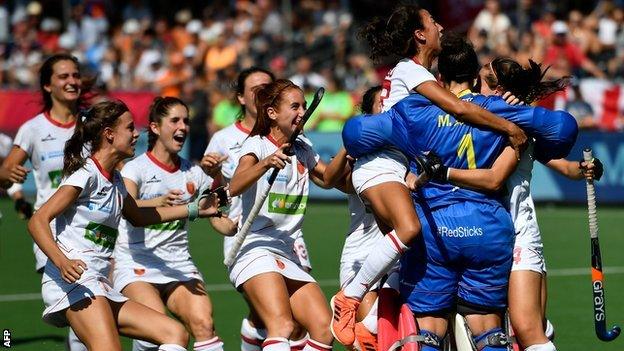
(465, 250)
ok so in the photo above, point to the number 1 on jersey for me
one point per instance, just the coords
(466, 147)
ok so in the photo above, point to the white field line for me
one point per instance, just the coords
(560, 272)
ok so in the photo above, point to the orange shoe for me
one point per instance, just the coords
(364, 339)
(343, 322)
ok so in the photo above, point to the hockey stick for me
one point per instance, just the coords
(242, 233)
(600, 315)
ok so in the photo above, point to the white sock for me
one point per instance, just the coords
(550, 330)
(370, 321)
(73, 343)
(298, 345)
(251, 337)
(387, 252)
(275, 344)
(171, 347)
(549, 346)
(140, 345)
(214, 344)
(314, 345)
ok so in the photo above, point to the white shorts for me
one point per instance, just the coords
(388, 165)
(356, 248)
(299, 247)
(58, 295)
(126, 273)
(261, 261)
(528, 253)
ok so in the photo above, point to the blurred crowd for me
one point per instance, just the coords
(195, 52)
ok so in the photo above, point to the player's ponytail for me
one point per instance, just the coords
(160, 108)
(87, 137)
(525, 83)
(269, 95)
(394, 36)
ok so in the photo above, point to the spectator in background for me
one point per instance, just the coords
(225, 112)
(136, 9)
(564, 55)
(335, 108)
(579, 108)
(170, 82)
(305, 77)
(493, 22)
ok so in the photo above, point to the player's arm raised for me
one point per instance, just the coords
(39, 228)
(471, 113)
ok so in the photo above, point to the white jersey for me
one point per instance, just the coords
(228, 141)
(278, 224)
(89, 225)
(165, 242)
(401, 81)
(43, 139)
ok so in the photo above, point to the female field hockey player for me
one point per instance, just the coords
(362, 235)
(527, 283)
(267, 268)
(88, 206)
(225, 146)
(41, 140)
(443, 265)
(412, 33)
(153, 265)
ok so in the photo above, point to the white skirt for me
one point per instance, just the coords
(126, 273)
(58, 295)
(261, 261)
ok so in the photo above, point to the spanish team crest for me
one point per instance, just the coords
(190, 187)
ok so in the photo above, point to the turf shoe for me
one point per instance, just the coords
(343, 320)
(364, 339)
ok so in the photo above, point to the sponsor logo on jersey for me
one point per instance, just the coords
(139, 271)
(168, 226)
(49, 137)
(51, 155)
(101, 235)
(300, 167)
(287, 204)
(153, 180)
(460, 232)
(55, 178)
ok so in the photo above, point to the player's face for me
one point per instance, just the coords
(485, 88)
(173, 128)
(247, 99)
(289, 112)
(124, 135)
(432, 31)
(65, 82)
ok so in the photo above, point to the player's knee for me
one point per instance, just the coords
(526, 329)
(281, 326)
(320, 329)
(408, 231)
(174, 333)
(201, 325)
(492, 340)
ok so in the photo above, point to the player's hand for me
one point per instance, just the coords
(511, 99)
(517, 139)
(592, 170)
(18, 173)
(279, 158)
(433, 167)
(413, 181)
(24, 208)
(209, 205)
(172, 198)
(71, 270)
(211, 163)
